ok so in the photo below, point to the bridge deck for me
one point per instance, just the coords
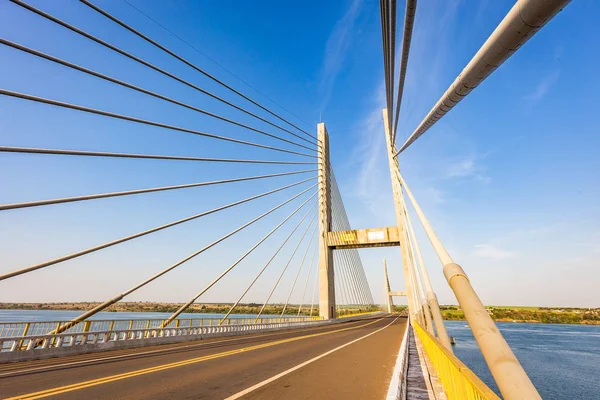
(247, 367)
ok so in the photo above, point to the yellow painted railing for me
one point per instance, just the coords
(459, 382)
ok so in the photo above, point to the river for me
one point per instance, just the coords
(60, 315)
(563, 361)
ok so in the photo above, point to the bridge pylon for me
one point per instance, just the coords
(388, 291)
(390, 301)
(413, 304)
(326, 271)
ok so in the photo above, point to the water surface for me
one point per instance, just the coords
(563, 361)
(61, 315)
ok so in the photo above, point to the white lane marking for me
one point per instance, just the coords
(274, 378)
(53, 366)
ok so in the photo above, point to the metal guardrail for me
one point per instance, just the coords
(44, 341)
(459, 382)
(18, 329)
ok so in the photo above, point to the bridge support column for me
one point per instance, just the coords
(511, 378)
(326, 272)
(388, 290)
(412, 307)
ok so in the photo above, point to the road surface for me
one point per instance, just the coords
(350, 360)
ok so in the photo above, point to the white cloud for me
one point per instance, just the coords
(373, 187)
(434, 195)
(336, 50)
(467, 168)
(493, 253)
(543, 86)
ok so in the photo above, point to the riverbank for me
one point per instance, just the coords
(543, 315)
(153, 307)
(532, 315)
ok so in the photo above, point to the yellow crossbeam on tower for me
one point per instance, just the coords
(361, 238)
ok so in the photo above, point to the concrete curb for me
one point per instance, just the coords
(397, 388)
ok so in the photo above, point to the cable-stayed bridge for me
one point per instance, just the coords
(328, 339)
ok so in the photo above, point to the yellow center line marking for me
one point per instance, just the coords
(131, 374)
(305, 363)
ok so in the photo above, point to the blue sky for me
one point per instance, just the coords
(509, 178)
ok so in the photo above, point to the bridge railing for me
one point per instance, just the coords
(74, 342)
(458, 380)
(25, 329)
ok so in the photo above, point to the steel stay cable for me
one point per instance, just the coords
(392, 49)
(345, 288)
(339, 295)
(239, 260)
(312, 300)
(510, 376)
(419, 254)
(312, 262)
(521, 23)
(409, 18)
(357, 260)
(286, 267)
(384, 38)
(388, 70)
(266, 265)
(337, 198)
(38, 203)
(341, 274)
(416, 292)
(339, 261)
(140, 89)
(143, 233)
(107, 303)
(356, 289)
(346, 257)
(216, 63)
(137, 59)
(363, 277)
(413, 251)
(138, 33)
(340, 286)
(431, 298)
(31, 150)
(418, 268)
(57, 103)
(345, 226)
(313, 235)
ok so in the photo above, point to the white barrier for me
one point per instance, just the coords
(397, 388)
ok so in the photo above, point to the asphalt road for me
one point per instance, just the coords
(350, 360)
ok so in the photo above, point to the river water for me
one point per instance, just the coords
(60, 315)
(563, 361)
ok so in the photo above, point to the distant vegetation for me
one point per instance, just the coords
(547, 315)
(222, 308)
